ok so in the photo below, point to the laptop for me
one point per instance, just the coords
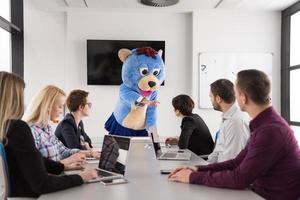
(179, 155)
(113, 158)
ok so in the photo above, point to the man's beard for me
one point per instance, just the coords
(242, 108)
(216, 106)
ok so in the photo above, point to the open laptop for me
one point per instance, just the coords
(169, 155)
(113, 158)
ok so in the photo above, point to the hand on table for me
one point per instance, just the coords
(182, 175)
(171, 140)
(88, 175)
(75, 158)
(74, 166)
(95, 154)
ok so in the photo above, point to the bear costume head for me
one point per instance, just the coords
(143, 69)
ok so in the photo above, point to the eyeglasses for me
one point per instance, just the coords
(89, 104)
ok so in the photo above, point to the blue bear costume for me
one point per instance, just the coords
(142, 74)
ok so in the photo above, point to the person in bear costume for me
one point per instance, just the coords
(136, 111)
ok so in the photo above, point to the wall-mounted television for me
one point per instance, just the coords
(103, 64)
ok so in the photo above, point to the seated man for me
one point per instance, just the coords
(234, 131)
(270, 163)
(195, 135)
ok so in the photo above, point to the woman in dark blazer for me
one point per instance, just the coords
(70, 131)
(29, 173)
(195, 135)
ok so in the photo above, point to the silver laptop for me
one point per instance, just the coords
(170, 155)
(113, 158)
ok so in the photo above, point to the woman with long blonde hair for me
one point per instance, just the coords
(11, 100)
(48, 105)
(39, 111)
(30, 173)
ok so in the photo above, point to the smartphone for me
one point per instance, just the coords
(166, 171)
(114, 181)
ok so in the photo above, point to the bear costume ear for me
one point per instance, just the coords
(123, 54)
(160, 52)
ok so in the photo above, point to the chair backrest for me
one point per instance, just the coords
(4, 185)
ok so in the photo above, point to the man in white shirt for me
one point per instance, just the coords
(234, 130)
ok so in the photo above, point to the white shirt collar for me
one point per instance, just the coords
(230, 112)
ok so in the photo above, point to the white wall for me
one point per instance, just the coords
(236, 31)
(55, 52)
(127, 26)
(44, 49)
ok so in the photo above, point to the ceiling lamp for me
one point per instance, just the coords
(159, 3)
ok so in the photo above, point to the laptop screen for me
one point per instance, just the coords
(114, 153)
(156, 145)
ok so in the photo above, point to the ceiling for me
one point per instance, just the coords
(182, 6)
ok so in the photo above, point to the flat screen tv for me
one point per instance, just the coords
(103, 64)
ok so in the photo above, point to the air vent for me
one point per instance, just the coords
(159, 3)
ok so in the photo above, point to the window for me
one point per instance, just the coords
(296, 130)
(295, 95)
(11, 36)
(5, 9)
(5, 51)
(5, 39)
(295, 39)
(290, 67)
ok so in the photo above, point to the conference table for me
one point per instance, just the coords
(146, 182)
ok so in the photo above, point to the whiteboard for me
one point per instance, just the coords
(213, 66)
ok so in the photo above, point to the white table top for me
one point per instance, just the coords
(146, 182)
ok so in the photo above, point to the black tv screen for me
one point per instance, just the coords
(103, 64)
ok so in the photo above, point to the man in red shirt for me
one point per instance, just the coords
(270, 162)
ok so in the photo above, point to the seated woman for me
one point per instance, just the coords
(30, 174)
(195, 135)
(70, 130)
(46, 106)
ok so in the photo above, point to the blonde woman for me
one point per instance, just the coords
(30, 173)
(46, 106)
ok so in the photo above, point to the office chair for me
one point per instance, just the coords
(205, 157)
(4, 179)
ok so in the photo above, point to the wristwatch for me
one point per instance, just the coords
(138, 102)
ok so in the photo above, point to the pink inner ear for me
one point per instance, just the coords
(146, 93)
